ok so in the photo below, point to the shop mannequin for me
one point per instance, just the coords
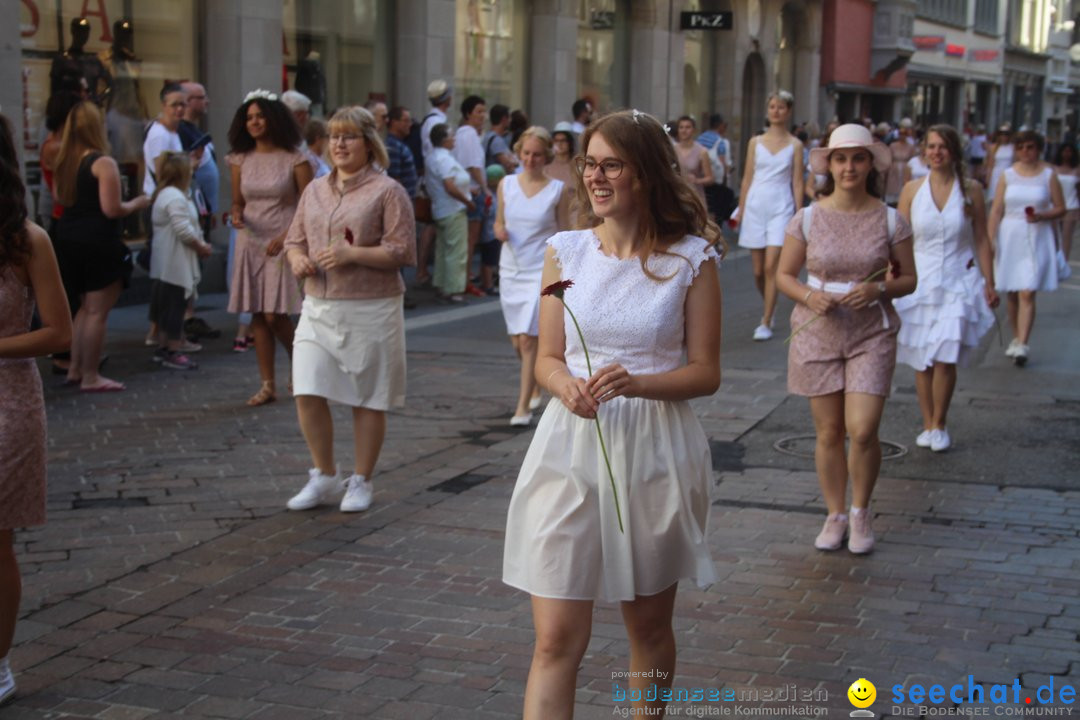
(127, 111)
(311, 80)
(75, 62)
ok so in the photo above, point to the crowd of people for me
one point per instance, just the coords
(601, 239)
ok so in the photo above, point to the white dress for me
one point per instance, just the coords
(1003, 160)
(1026, 254)
(918, 167)
(947, 315)
(530, 221)
(562, 535)
(1068, 188)
(769, 204)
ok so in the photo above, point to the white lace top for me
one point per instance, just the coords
(626, 316)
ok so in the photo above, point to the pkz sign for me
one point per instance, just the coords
(705, 20)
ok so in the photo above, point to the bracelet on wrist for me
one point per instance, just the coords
(554, 372)
(806, 298)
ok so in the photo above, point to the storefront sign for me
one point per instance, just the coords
(984, 55)
(928, 42)
(955, 50)
(706, 20)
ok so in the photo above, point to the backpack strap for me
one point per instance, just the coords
(806, 222)
(890, 221)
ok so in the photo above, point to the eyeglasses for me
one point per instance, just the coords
(610, 168)
(335, 139)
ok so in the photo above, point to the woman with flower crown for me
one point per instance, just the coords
(269, 174)
(612, 499)
(843, 348)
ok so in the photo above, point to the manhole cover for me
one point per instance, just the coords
(803, 446)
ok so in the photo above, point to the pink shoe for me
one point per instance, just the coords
(831, 536)
(861, 538)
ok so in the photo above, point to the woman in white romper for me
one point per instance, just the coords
(648, 302)
(771, 182)
(532, 207)
(1027, 202)
(950, 310)
(1065, 165)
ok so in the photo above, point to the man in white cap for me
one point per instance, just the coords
(439, 95)
(300, 106)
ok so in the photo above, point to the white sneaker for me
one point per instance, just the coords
(521, 420)
(923, 439)
(358, 492)
(320, 490)
(1020, 356)
(762, 332)
(7, 682)
(939, 440)
(1013, 347)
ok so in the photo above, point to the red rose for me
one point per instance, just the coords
(348, 236)
(1029, 211)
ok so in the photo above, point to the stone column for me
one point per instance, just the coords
(425, 51)
(656, 59)
(11, 85)
(553, 30)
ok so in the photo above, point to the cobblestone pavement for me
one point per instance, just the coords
(171, 582)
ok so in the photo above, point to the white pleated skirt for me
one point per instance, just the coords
(562, 533)
(351, 352)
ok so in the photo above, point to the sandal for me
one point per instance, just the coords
(266, 394)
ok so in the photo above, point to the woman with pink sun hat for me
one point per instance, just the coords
(843, 344)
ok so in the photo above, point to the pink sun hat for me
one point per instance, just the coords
(848, 136)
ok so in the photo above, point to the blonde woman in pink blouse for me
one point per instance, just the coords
(353, 231)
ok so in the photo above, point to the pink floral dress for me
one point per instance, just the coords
(22, 416)
(846, 350)
(261, 283)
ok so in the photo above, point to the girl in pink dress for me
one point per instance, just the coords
(28, 272)
(843, 348)
(269, 174)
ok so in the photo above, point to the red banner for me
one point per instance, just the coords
(928, 42)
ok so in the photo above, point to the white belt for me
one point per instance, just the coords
(843, 288)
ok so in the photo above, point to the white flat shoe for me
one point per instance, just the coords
(521, 420)
(923, 439)
(534, 403)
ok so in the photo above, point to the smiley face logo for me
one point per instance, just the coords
(862, 693)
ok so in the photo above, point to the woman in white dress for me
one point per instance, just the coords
(647, 298)
(1027, 202)
(942, 321)
(999, 158)
(1065, 165)
(772, 180)
(352, 233)
(532, 207)
(916, 168)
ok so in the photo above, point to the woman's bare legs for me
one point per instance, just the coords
(10, 591)
(652, 644)
(88, 336)
(562, 628)
(369, 430)
(829, 457)
(862, 417)
(527, 346)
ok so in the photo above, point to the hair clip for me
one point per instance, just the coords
(260, 93)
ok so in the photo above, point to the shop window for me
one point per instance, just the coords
(950, 12)
(337, 53)
(125, 50)
(986, 16)
(602, 55)
(489, 52)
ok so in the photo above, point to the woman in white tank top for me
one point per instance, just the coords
(531, 208)
(773, 178)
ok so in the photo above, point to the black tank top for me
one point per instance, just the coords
(85, 220)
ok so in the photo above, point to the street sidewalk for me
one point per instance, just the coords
(171, 582)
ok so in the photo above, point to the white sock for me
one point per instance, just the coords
(857, 510)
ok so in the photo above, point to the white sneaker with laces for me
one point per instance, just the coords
(923, 439)
(1021, 355)
(1013, 347)
(762, 332)
(358, 492)
(7, 681)
(320, 490)
(939, 440)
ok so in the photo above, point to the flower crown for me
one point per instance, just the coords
(260, 93)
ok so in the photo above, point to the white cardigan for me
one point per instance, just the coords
(173, 258)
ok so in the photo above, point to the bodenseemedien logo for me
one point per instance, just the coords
(862, 694)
